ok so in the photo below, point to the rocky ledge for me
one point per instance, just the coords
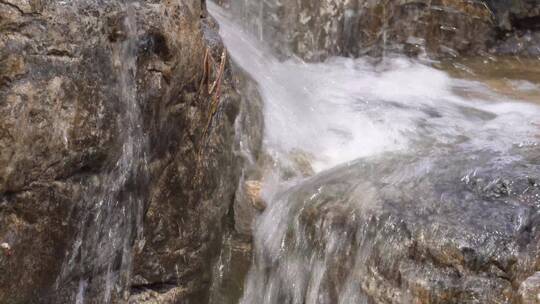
(315, 30)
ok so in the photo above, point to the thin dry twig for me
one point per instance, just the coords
(215, 92)
(216, 86)
(207, 71)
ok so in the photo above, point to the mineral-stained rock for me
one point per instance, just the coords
(254, 189)
(64, 75)
(248, 204)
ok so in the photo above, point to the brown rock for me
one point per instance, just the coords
(253, 190)
(83, 85)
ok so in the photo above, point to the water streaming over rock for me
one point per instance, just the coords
(426, 186)
(110, 213)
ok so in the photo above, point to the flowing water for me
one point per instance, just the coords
(110, 216)
(342, 111)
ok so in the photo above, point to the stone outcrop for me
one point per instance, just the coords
(315, 30)
(441, 228)
(64, 78)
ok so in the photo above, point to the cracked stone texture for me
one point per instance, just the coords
(59, 135)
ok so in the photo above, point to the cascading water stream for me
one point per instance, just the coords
(111, 211)
(344, 109)
(339, 113)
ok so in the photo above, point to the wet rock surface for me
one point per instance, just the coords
(63, 81)
(315, 30)
(444, 228)
(247, 202)
(231, 269)
(234, 261)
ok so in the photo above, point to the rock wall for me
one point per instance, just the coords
(61, 136)
(448, 229)
(315, 30)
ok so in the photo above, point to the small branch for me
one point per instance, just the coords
(215, 92)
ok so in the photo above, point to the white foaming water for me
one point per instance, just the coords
(343, 109)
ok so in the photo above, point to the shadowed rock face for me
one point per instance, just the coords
(315, 30)
(444, 228)
(518, 25)
(71, 76)
(511, 14)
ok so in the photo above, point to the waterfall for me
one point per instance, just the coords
(374, 134)
(111, 211)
